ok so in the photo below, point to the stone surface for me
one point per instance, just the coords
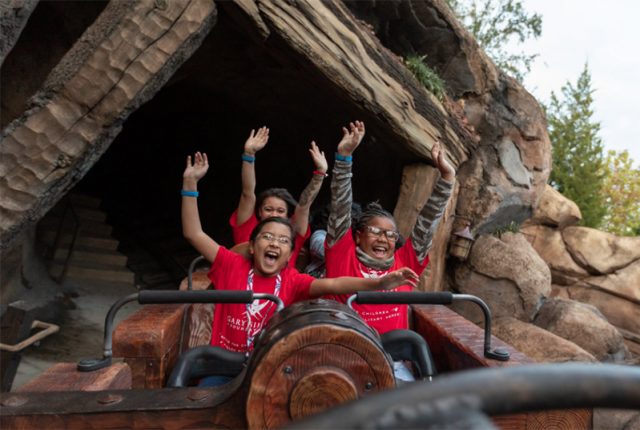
(549, 245)
(507, 273)
(624, 282)
(556, 210)
(511, 161)
(537, 343)
(600, 252)
(584, 325)
(619, 311)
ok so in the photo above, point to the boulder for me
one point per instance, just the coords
(507, 273)
(599, 252)
(549, 245)
(624, 282)
(616, 419)
(555, 210)
(584, 325)
(619, 311)
(537, 343)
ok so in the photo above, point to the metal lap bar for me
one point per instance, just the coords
(48, 329)
(434, 298)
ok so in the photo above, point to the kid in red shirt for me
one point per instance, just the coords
(369, 250)
(270, 247)
(272, 202)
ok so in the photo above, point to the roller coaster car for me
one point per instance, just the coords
(310, 359)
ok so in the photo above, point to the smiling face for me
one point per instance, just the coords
(271, 248)
(374, 240)
(272, 206)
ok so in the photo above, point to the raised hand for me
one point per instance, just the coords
(399, 277)
(351, 138)
(256, 141)
(318, 157)
(196, 170)
(442, 164)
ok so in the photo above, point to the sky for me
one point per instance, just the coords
(606, 35)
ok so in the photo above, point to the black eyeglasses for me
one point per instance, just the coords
(270, 237)
(379, 232)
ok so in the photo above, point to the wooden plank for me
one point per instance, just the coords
(65, 377)
(15, 326)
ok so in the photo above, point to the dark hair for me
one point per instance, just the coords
(372, 210)
(320, 218)
(284, 221)
(280, 193)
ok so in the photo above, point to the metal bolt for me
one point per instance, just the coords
(288, 370)
(368, 386)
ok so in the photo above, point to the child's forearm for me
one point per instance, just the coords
(307, 197)
(429, 218)
(341, 198)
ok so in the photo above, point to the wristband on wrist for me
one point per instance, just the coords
(248, 158)
(186, 193)
(347, 158)
(319, 173)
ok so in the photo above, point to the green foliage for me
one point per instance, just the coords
(621, 190)
(426, 75)
(495, 24)
(512, 227)
(578, 161)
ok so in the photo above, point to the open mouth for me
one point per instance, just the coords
(379, 251)
(271, 257)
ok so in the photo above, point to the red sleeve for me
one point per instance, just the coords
(226, 268)
(300, 286)
(407, 257)
(242, 232)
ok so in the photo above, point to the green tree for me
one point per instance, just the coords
(497, 23)
(621, 189)
(578, 160)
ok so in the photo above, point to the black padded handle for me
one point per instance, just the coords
(147, 297)
(409, 298)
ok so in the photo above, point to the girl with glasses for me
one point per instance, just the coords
(370, 250)
(273, 202)
(266, 271)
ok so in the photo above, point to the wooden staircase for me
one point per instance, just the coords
(94, 256)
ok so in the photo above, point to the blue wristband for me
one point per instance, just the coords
(347, 158)
(186, 193)
(248, 158)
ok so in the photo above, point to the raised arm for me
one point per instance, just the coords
(191, 226)
(341, 194)
(350, 285)
(255, 142)
(309, 194)
(429, 217)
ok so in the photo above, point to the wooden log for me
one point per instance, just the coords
(15, 326)
(66, 377)
(149, 343)
(456, 344)
(200, 315)
(312, 356)
(123, 59)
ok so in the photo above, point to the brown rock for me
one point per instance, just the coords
(537, 343)
(549, 245)
(619, 311)
(507, 273)
(624, 282)
(616, 419)
(556, 210)
(599, 252)
(583, 324)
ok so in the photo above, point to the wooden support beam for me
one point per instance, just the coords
(15, 326)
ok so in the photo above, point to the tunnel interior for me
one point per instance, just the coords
(233, 83)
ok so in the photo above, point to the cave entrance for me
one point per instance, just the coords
(231, 84)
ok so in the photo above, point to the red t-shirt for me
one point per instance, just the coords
(341, 260)
(230, 271)
(242, 233)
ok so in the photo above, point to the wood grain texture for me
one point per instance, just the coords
(66, 377)
(50, 147)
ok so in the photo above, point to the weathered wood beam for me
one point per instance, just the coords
(120, 62)
(326, 35)
(14, 15)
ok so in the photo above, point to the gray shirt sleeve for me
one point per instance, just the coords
(341, 197)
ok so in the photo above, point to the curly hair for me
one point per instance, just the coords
(372, 210)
